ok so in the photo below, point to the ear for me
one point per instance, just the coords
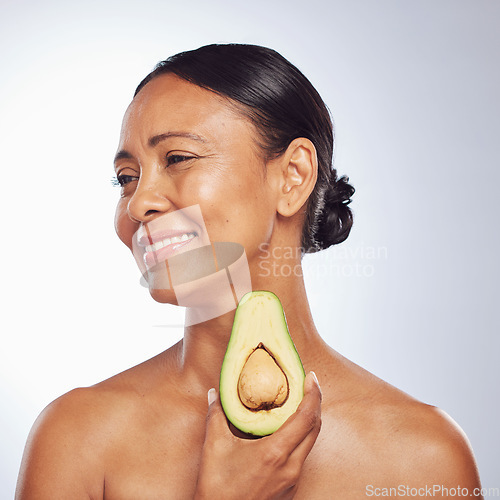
(299, 171)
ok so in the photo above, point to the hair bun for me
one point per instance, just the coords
(336, 217)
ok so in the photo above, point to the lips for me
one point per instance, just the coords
(159, 247)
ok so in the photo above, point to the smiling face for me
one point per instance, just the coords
(182, 146)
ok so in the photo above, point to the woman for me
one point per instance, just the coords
(238, 133)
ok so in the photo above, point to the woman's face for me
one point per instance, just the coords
(182, 146)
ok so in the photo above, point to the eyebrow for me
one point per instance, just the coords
(123, 155)
(156, 139)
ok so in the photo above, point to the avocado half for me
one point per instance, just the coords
(262, 377)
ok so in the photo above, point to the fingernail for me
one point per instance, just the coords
(212, 396)
(317, 383)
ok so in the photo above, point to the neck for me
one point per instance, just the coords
(204, 344)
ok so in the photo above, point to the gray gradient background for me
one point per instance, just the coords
(412, 295)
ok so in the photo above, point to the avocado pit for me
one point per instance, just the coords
(262, 384)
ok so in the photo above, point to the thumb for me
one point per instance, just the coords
(216, 418)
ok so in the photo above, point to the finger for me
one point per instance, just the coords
(306, 421)
(305, 446)
(216, 418)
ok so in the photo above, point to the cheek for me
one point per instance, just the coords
(124, 227)
(238, 210)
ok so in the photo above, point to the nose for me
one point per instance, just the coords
(149, 200)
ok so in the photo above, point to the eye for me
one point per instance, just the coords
(122, 179)
(172, 159)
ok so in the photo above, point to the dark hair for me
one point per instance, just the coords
(283, 105)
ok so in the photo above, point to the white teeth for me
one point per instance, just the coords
(168, 241)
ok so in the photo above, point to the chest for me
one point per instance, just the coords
(155, 460)
(161, 460)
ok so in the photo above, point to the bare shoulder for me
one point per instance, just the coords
(444, 451)
(61, 458)
(388, 437)
(426, 445)
(70, 441)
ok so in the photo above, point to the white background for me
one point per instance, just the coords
(412, 295)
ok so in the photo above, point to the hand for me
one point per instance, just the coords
(266, 468)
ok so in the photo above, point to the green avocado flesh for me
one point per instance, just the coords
(262, 377)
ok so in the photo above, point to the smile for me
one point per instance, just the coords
(167, 247)
(168, 241)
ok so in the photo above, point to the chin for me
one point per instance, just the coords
(164, 296)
